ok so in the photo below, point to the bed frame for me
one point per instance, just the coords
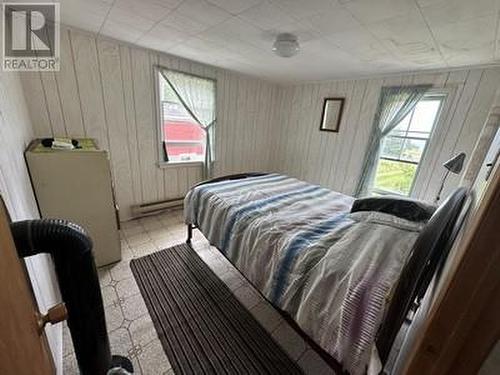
(428, 257)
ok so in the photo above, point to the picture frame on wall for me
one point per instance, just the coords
(332, 114)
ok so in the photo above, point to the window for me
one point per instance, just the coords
(182, 138)
(403, 148)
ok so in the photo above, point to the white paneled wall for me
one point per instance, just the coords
(105, 90)
(15, 188)
(334, 160)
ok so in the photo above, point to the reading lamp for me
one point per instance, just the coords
(454, 165)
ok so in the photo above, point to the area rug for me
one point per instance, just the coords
(203, 328)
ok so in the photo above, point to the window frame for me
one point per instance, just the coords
(160, 136)
(443, 95)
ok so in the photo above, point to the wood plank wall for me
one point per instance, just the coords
(105, 90)
(15, 188)
(334, 160)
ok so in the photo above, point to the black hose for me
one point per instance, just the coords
(71, 250)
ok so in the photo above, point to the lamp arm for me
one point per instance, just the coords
(438, 196)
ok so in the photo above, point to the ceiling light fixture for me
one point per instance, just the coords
(286, 45)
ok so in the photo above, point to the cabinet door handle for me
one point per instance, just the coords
(56, 314)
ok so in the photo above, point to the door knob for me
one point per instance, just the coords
(56, 314)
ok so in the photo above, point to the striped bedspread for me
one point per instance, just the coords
(331, 270)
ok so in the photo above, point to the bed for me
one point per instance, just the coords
(341, 276)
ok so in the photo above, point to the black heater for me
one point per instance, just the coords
(71, 250)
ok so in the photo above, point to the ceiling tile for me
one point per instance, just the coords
(128, 17)
(336, 57)
(448, 11)
(473, 38)
(369, 11)
(313, 66)
(168, 34)
(470, 33)
(86, 15)
(98, 5)
(235, 6)
(473, 56)
(303, 32)
(267, 16)
(162, 38)
(497, 42)
(150, 9)
(407, 37)
(359, 43)
(300, 8)
(240, 65)
(264, 57)
(423, 3)
(203, 12)
(230, 42)
(334, 20)
(202, 50)
(184, 23)
(338, 38)
(237, 28)
(157, 44)
(172, 4)
(120, 31)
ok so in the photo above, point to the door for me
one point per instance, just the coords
(23, 346)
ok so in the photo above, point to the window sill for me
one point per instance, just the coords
(176, 164)
(382, 192)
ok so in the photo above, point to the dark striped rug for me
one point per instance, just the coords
(203, 328)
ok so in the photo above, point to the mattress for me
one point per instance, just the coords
(331, 270)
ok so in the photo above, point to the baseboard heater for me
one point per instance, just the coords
(152, 208)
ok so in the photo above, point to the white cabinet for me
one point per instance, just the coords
(76, 185)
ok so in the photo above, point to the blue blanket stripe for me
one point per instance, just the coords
(232, 184)
(298, 243)
(261, 184)
(238, 182)
(246, 220)
(263, 203)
